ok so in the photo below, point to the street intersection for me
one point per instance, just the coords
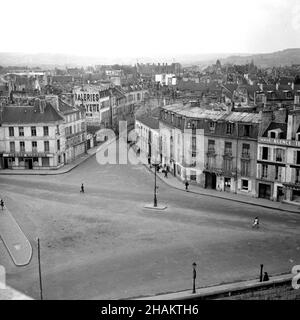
(104, 244)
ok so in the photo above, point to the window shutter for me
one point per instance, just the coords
(274, 154)
(295, 157)
(259, 152)
(258, 171)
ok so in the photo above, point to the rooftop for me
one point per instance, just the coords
(29, 114)
(220, 115)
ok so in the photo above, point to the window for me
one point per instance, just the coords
(246, 150)
(279, 155)
(22, 146)
(212, 126)
(21, 131)
(246, 130)
(211, 145)
(265, 153)
(194, 146)
(58, 145)
(34, 146)
(33, 131)
(12, 147)
(272, 135)
(59, 159)
(278, 171)
(46, 146)
(228, 148)
(11, 131)
(46, 131)
(245, 184)
(229, 128)
(227, 165)
(57, 129)
(297, 175)
(245, 165)
(264, 171)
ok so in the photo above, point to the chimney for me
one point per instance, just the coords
(42, 106)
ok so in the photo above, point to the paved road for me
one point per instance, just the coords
(104, 244)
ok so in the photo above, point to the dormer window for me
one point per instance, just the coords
(212, 126)
(275, 134)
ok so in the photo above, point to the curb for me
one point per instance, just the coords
(224, 198)
(55, 173)
(214, 291)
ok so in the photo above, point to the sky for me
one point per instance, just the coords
(134, 28)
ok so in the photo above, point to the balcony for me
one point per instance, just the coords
(211, 151)
(228, 152)
(245, 155)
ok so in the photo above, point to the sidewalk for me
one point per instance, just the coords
(14, 239)
(177, 184)
(218, 289)
(66, 168)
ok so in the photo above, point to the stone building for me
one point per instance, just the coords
(215, 149)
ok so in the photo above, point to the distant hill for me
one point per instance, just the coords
(279, 58)
(50, 60)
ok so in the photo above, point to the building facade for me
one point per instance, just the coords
(215, 149)
(30, 137)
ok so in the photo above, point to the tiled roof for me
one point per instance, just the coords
(149, 121)
(230, 87)
(65, 108)
(277, 125)
(29, 114)
(199, 113)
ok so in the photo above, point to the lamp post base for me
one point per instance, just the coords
(158, 207)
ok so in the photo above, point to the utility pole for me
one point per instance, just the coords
(194, 277)
(40, 273)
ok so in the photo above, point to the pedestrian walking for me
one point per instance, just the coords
(82, 188)
(186, 185)
(166, 173)
(2, 204)
(255, 223)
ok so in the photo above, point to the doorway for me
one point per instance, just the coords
(280, 194)
(28, 164)
(264, 191)
(210, 180)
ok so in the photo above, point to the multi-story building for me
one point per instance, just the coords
(278, 164)
(30, 137)
(96, 101)
(45, 135)
(74, 132)
(216, 149)
(124, 102)
(147, 130)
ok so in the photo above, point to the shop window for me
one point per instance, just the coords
(245, 184)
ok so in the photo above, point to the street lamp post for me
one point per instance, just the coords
(155, 187)
(194, 277)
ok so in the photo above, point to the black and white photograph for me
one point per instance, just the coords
(150, 151)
